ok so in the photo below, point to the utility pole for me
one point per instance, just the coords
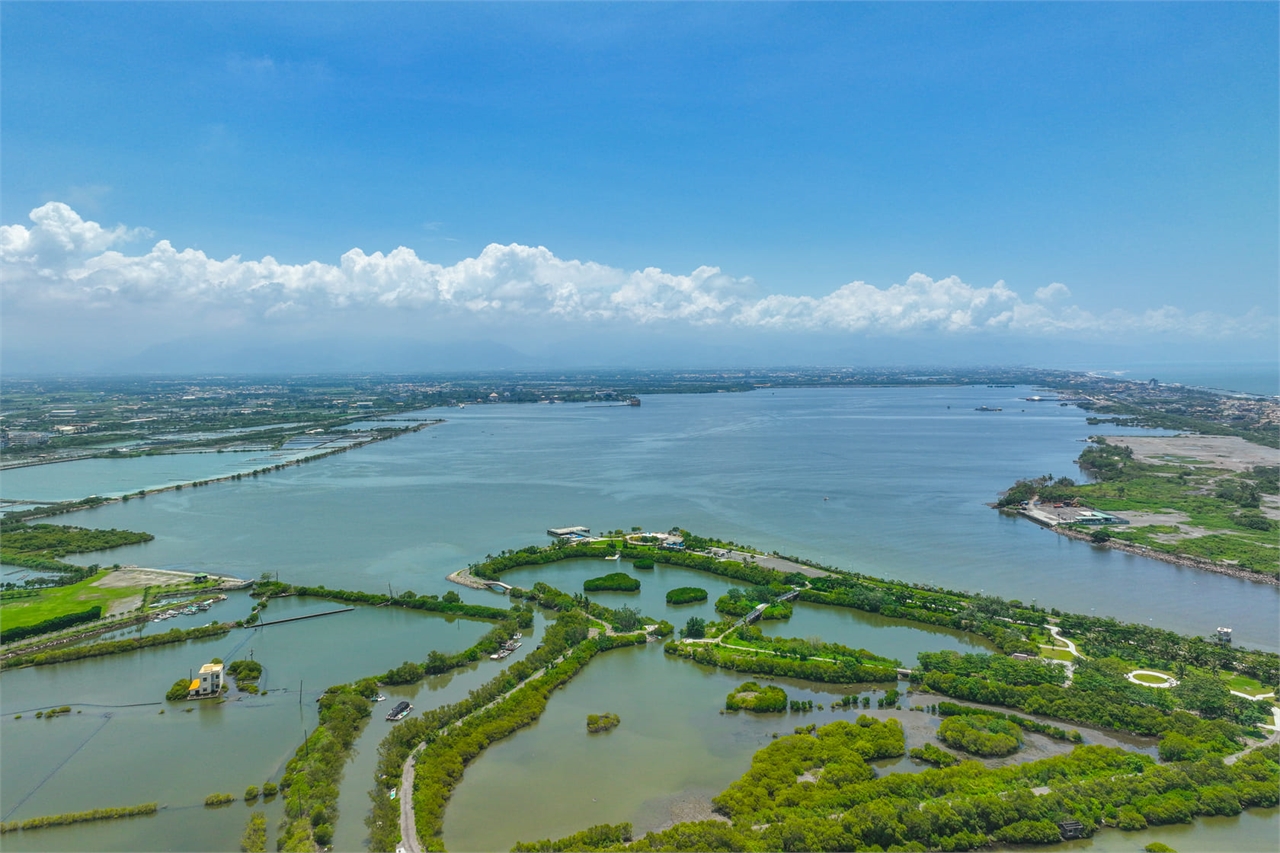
(299, 692)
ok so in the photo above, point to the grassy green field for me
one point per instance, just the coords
(1150, 679)
(1243, 683)
(1224, 503)
(1056, 654)
(59, 600)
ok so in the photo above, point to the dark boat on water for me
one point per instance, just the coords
(400, 711)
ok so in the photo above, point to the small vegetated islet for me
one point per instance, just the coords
(613, 582)
(686, 595)
(981, 734)
(750, 696)
(602, 722)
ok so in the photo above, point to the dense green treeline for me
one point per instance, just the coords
(1009, 624)
(948, 709)
(739, 602)
(443, 759)
(569, 629)
(439, 662)
(623, 619)
(1158, 648)
(78, 817)
(407, 600)
(750, 635)
(995, 667)
(756, 663)
(982, 615)
(600, 837)
(986, 735)
(48, 626)
(532, 555)
(1099, 696)
(311, 777)
(55, 540)
(114, 647)
(816, 792)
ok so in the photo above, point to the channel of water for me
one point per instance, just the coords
(886, 481)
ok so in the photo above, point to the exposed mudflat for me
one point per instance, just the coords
(1218, 451)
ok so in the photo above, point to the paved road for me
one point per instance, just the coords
(408, 828)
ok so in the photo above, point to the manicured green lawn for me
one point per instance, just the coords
(1242, 683)
(1150, 679)
(61, 600)
(1056, 654)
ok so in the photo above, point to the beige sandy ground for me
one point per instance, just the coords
(132, 576)
(1219, 451)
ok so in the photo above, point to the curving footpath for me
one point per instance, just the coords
(1169, 680)
(1057, 635)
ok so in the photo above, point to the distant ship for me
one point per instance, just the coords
(988, 409)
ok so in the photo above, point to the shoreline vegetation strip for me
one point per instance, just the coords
(454, 735)
(1238, 539)
(93, 501)
(77, 817)
(816, 791)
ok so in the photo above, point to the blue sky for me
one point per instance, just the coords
(1121, 159)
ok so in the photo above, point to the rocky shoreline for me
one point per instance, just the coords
(1143, 551)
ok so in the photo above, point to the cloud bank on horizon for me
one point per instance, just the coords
(65, 263)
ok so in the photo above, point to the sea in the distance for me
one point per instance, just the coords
(890, 482)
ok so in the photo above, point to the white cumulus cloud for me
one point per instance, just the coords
(64, 260)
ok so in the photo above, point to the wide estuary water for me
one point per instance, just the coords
(890, 482)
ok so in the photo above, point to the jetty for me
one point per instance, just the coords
(307, 616)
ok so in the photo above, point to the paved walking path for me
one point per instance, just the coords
(1274, 738)
(1057, 635)
(408, 828)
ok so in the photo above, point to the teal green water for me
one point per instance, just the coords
(904, 478)
(65, 481)
(119, 750)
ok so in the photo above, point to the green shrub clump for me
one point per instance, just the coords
(78, 817)
(251, 793)
(244, 671)
(614, 582)
(179, 690)
(254, 839)
(218, 799)
(643, 563)
(750, 696)
(980, 734)
(930, 754)
(686, 595)
(602, 722)
(269, 789)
